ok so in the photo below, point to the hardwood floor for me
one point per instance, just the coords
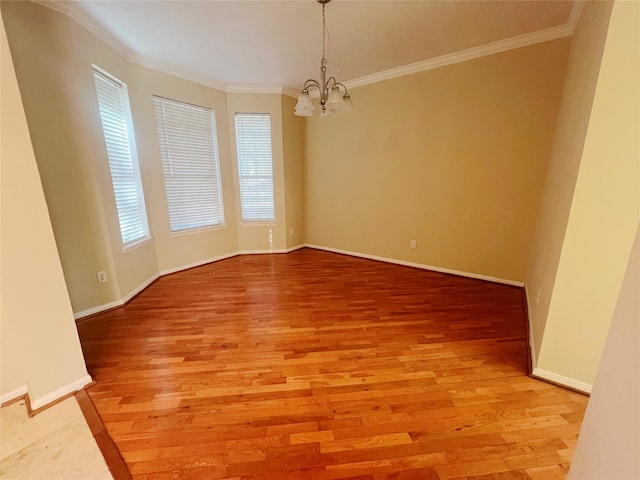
(315, 365)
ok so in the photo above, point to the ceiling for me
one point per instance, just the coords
(279, 43)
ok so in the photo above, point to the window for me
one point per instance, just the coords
(253, 138)
(123, 160)
(190, 164)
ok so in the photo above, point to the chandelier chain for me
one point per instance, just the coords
(324, 28)
(334, 97)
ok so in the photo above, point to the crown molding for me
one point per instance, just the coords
(179, 72)
(464, 55)
(560, 31)
(290, 92)
(574, 16)
(72, 10)
(245, 88)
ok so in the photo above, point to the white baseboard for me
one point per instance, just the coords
(146, 283)
(98, 309)
(263, 252)
(260, 252)
(140, 288)
(422, 266)
(532, 346)
(13, 394)
(72, 387)
(199, 263)
(562, 380)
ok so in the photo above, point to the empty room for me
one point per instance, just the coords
(320, 239)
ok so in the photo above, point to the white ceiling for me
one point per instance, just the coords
(279, 43)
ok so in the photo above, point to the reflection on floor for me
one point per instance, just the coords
(56, 444)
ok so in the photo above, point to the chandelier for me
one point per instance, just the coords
(334, 97)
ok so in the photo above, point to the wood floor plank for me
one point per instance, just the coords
(111, 454)
(315, 365)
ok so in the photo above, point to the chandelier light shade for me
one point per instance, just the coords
(334, 97)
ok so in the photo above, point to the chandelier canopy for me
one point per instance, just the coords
(334, 97)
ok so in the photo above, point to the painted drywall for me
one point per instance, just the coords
(587, 45)
(37, 322)
(13, 379)
(175, 250)
(51, 76)
(609, 439)
(54, 54)
(604, 213)
(135, 266)
(293, 134)
(272, 235)
(454, 158)
(53, 50)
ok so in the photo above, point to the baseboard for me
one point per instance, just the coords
(260, 252)
(139, 288)
(532, 346)
(169, 271)
(562, 381)
(422, 266)
(145, 284)
(13, 394)
(196, 264)
(100, 308)
(61, 392)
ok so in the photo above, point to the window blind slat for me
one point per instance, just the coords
(113, 104)
(189, 153)
(255, 166)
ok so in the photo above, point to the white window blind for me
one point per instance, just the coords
(123, 160)
(255, 169)
(190, 164)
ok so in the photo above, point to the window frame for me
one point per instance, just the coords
(240, 157)
(136, 176)
(164, 132)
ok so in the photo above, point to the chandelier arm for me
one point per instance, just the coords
(338, 84)
(332, 82)
(312, 83)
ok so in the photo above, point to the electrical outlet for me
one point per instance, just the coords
(102, 276)
(413, 244)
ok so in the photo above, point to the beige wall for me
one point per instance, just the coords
(609, 440)
(135, 266)
(12, 373)
(40, 345)
(53, 63)
(454, 158)
(76, 173)
(266, 237)
(180, 249)
(292, 135)
(579, 87)
(604, 213)
(54, 83)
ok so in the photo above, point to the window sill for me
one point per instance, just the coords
(137, 244)
(268, 223)
(190, 231)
